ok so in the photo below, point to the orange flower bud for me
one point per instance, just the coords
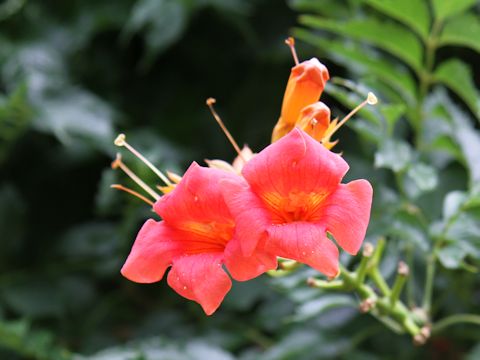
(305, 85)
(314, 120)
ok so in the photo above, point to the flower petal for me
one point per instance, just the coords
(151, 253)
(251, 218)
(294, 163)
(306, 243)
(243, 268)
(200, 278)
(196, 198)
(348, 214)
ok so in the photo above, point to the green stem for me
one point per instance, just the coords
(425, 78)
(429, 277)
(378, 279)
(397, 288)
(327, 285)
(455, 319)
(409, 254)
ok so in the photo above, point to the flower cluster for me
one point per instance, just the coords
(237, 220)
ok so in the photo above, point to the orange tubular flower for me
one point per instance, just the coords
(305, 85)
(315, 121)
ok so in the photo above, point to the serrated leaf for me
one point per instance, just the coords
(448, 8)
(458, 77)
(462, 30)
(355, 58)
(387, 36)
(413, 13)
(393, 154)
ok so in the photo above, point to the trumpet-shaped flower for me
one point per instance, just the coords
(291, 196)
(305, 85)
(195, 238)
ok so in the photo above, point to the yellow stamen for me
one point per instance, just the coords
(291, 44)
(210, 102)
(121, 141)
(117, 163)
(370, 100)
(132, 192)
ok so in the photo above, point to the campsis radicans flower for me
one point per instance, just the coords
(286, 201)
(301, 108)
(291, 195)
(196, 237)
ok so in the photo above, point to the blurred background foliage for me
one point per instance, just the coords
(73, 74)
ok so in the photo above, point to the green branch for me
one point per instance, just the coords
(455, 319)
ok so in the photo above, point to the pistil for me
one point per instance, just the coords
(291, 44)
(370, 100)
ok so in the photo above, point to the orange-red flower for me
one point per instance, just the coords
(196, 237)
(291, 196)
(305, 85)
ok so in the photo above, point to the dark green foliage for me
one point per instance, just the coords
(74, 73)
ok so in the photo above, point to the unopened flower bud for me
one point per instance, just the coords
(314, 120)
(305, 85)
(403, 269)
(367, 305)
(368, 249)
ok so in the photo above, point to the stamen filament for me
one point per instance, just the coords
(132, 192)
(370, 100)
(210, 102)
(121, 141)
(119, 164)
(291, 44)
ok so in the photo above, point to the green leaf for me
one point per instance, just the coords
(325, 7)
(453, 203)
(452, 256)
(464, 232)
(459, 128)
(393, 154)
(350, 99)
(325, 302)
(387, 36)
(469, 141)
(19, 337)
(413, 13)
(163, 21)
(355, 57)
(407, 226)
(392, 113)
(462, 30)
(424, 176)
(458, 77)
(448, 8)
